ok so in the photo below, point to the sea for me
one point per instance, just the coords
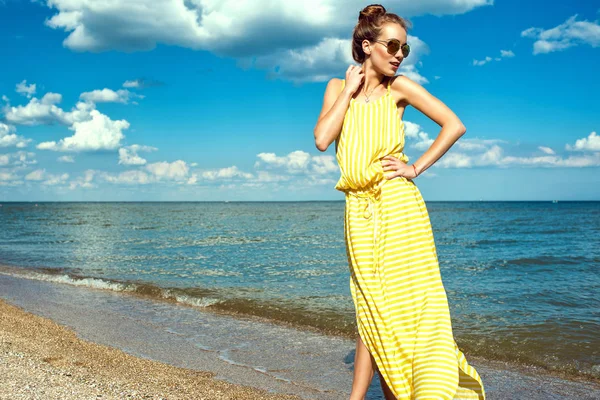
(522, 277)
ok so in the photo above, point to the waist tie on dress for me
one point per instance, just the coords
(372, 196)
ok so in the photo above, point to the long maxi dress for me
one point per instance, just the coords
(402, 311)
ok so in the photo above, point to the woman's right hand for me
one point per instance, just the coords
(354, 78)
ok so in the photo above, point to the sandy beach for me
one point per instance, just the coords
(40, 359)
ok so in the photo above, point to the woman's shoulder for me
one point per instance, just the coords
(401, 81)
(335, 84)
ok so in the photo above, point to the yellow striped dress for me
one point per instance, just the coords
(401, 306)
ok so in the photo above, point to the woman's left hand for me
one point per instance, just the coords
(399, 168)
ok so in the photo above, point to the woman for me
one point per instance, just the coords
(402, 312)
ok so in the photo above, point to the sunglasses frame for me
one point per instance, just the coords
(401, 47)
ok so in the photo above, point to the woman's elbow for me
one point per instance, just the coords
(319, 143)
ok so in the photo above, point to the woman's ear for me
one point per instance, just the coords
(366, 47)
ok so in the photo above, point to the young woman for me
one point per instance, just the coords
(402, 313)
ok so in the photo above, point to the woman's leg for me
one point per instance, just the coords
(387, 392)
(364, 369)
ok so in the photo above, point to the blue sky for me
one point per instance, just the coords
(193, 101)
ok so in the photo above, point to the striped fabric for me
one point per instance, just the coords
(401, 306)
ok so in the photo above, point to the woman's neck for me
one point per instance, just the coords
(372, 80)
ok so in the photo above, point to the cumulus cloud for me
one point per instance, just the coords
(109, 96)
(141, 83)
(9, 178)
(25, 90)
(128, 177)
(66, 159)
(36, 175)
(568, 34)
(46, 178)
(99, 133)
(503, 54)
(263, 31)
(8, 138)
(93, 130)
(469, 153)
(163, 170)
(324, 164)
(294, 162)
(226, 173)
(85, 181)
(45, 111)
(546, 150)
(18, 159)
(128, 155)
(591, 143)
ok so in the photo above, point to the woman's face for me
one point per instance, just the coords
(381, 60)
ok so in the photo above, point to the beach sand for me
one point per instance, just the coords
(40, 359)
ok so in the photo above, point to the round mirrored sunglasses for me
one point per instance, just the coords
(393, 45)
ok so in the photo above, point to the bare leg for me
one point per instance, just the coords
(387, 392)
(364, 369)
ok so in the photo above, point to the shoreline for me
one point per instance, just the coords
(40, 356)
(524, 368)
(69, 342)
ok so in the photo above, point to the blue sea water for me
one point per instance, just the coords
(522, 278)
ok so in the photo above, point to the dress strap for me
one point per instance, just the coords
(343, 83)
(389, 85)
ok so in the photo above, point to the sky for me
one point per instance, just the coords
(196, 100)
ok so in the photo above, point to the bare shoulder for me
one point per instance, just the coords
(403, 87)
(335, 84)
(409, 92)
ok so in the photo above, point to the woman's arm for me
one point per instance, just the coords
(452, 128)
(335, 105)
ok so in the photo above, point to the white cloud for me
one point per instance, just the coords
(109, 96)
(468, 153)
(129, 177)
(177, 170)
(8, 138)
(36, 175)
(163, 171)
(128, 154)
(546, 150)
(503, 54)
(85, 181)
(45, 111)
(99, 133)
(568, 34)
(482, 62)
(8, 178)
(591, 143)
(66, 159)
(141, 83)
(25, 90)
(324, 164)
(253, 30)
(294, 162)
(18, 159)
(226, 173)
(47, 178)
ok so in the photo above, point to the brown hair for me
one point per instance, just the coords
(370, 21)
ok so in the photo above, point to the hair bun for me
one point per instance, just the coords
(371, 12)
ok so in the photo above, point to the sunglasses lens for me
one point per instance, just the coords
(405, 50)
(393, 46)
